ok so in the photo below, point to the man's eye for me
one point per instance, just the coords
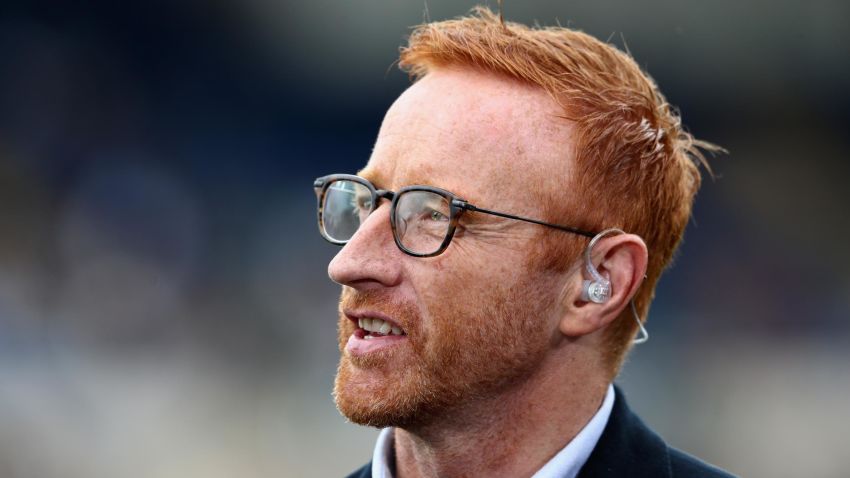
(364, 203)
(437, 216)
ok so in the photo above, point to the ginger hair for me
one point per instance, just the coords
(636, 167)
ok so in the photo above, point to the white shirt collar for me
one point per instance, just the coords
(383, 454)
(565, 464)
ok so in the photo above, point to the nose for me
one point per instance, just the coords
(370, 259)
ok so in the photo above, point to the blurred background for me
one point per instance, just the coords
(165, 309)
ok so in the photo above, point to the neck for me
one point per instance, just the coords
(513, 433)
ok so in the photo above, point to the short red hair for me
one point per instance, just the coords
(634, 160)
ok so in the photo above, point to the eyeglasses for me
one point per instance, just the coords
(423, 218)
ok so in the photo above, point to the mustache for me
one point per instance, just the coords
(377, 301)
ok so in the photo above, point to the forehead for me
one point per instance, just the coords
(478, 135)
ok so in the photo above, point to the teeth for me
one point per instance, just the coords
(379, 326)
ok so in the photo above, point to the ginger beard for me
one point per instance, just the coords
(465, 350)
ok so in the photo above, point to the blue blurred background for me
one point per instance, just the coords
(164, 304)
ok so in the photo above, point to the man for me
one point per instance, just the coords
(500, 247)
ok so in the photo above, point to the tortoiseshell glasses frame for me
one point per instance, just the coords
(441, 216)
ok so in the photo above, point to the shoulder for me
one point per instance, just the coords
(364, 472)
(687, 466)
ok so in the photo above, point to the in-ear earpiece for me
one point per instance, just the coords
(594, 291)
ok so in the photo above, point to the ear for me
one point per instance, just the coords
(622, 259)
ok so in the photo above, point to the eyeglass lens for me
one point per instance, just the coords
(422, 218)
(422, 221)
(345, 205)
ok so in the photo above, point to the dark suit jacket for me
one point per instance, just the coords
(629, 449)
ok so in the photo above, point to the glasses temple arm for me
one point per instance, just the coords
(470, 207)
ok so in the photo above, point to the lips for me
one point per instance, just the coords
(374, 332)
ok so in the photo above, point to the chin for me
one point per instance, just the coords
(395, 401)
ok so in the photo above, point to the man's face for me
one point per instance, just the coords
(477, 320)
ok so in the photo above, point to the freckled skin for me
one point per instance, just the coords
(482, 346)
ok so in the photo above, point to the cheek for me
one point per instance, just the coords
(448, 289)
(468, 277)
(467, 293)
(469, 261)
(464, 303)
